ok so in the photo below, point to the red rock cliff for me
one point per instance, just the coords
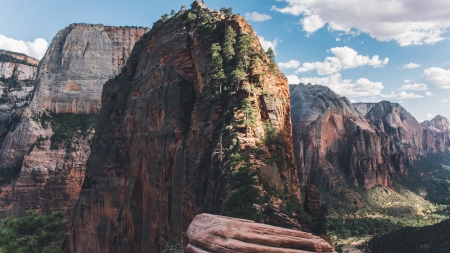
(335, 144)
(171, 144)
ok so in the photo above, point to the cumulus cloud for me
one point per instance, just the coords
(257, 17)
(411, 66)
(34, 49)
(338, 39)
(429, 94)
(267, 43)
(343, 87)
(409, 22)
(407, 81)
(344, 58)
(443, 101)
(416, 86)
(292, 64)
(439, 77)
(401, 95)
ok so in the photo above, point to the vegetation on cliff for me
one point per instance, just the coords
(33, 233)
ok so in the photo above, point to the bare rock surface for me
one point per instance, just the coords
(330, 134)
(219, 234)
(436, 125)
(51, 153)
(167, 142)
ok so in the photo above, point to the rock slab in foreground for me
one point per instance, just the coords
(212, 233)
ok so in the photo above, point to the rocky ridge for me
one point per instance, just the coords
(335, 143)
(176, 138)
(17, 72)
(51, 143)
(437, 125)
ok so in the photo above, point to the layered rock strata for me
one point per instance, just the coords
(211, 233)
(334, 143)
(172, 138)
(17, 72)
(51, 143)
(436, 125)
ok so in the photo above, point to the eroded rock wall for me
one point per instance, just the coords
(168, 141)
(335, 144)
(51, 143)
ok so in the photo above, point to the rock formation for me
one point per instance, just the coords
(334, 143)
(211, 233)
(312, 200)
(175, 138)
(51, 143)
(436, 125)
(17, 72)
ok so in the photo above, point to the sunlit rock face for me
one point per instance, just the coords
(49, 151)
(167, 143)
(335, 144)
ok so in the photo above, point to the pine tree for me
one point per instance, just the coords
(249, 112)
(165, 17)
(217, 73)
(245, 50)
(228, 44)
(227, 11)
(172, 13)
(237, 75)
(270, 54)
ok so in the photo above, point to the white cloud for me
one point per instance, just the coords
(416, 86)
(430, 115)
(338, 39)
(409, 22)
(401, 95)
(429, 94)
(443, 101)
(407, 81)
(411, 66)
(312, 23)
(344, 58)
(343, 87)
(35, 49)
(267, 43)
(448, 63)
(292, 64)
(439, 77)
(293, 79)
(258, 17)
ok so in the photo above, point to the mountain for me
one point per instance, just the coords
(436, 125)
(404, 130)
(17, 72)
(176, 137)
(335, 144)
(45, 154)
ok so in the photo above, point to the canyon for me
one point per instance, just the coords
(139, 135)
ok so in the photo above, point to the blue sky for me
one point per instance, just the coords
(359, 48)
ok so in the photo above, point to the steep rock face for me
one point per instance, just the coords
(51, 143)
(169, 144)
(404, 130)
(312, 200)
(17, 66)
(334, 143)
(17, 72)
(211, 233)
(436, 125)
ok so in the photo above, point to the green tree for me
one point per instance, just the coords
(270, 54)
(237, 75)
(191, 17)
(249, 114)
(172, 13)
(227, 11)
(165, 17)
(245, 50)
(183, 8)
(217, 72)
(34, 233)
(228, 44)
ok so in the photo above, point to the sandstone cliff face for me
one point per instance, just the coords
(211, 233)
(170, 145)
(51, 143)
(436, 125)
(17, 72)
(334, 143)
(404, 130)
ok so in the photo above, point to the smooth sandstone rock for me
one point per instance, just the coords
(219, 234)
